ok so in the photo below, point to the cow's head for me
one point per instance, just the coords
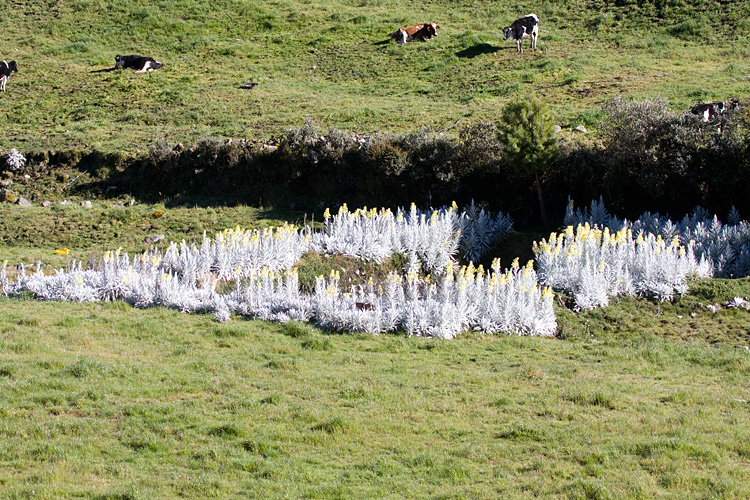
(119, 62)
(507, 32)
(12, 67)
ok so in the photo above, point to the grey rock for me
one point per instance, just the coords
(581, 128)
(23, 202)
(148, 240)
(86, 204)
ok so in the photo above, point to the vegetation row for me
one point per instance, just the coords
(649, 159)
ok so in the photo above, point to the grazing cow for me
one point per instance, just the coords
(140, 64)
(523, 27)
(421, 32)
(6, 68)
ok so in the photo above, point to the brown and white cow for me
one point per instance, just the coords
(421, 32)
(521, 28)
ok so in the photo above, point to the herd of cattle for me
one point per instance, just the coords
(527, 26)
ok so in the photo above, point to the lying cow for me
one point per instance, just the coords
(521, 28)
(140, 64)
(6, 68)
(421, 32)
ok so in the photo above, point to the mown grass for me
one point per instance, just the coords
(330, 60)
(106, 401)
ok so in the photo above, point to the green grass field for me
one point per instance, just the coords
(638, 400)
(103, 401)
(106, 401)
(330, 60)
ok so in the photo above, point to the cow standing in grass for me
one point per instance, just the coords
(6, 68)
(521, 28)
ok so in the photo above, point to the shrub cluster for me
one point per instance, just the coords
(652, 158)
(645, 157)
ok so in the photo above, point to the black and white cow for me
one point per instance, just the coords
(140, 64)
(521, 28)
(6, 68)
(712, 111)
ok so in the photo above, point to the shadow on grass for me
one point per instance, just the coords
(105, 70)
(478, 50)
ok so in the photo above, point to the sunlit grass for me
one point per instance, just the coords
(95, 396)
(331, 61)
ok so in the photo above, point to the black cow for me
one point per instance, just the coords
(521, 28)
(140, 64)
(6, 68)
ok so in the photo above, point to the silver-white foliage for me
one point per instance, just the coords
(376, 235)
(593, 265)
(479, 229)
(15, 160)
(725, 246)
(495, 301)
(469, 299)
(234, 253)
(429, 240)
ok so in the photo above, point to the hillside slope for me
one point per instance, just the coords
(331, 60)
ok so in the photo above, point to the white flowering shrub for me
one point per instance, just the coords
(235, 253)
(594, 264)
(14, 160)
(259, 264)
(430, 243)
(469, 299)
(725, 246)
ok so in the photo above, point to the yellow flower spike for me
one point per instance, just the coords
(514, 265)
(61, 251)
(454, 206)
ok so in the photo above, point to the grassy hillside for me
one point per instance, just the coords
(330, 60)
(105, 401)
